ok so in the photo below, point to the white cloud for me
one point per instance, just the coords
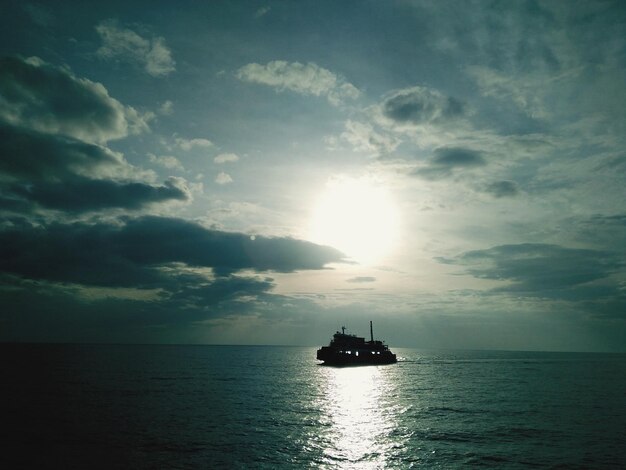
(124, 44)
(223, 178)
(523, 91)
(166, 161)
(306, 79)
(364, 138)
(226, 158)
(182, 185)
(166, 108)
(188, 144)
(262, 11)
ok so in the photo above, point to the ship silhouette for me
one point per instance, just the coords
(347, 349)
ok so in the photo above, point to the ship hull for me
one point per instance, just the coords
(346, 358)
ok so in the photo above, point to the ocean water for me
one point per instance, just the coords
(154, 407)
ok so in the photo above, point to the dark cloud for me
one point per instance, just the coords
(31, 155)
(610, 220)
(39, 14)
(360, 279)
(447, 160)
(134, 279)
(542, 270)
(597, 230)
(457, 157)
(41, 311)
(49, 158)
(51, 171)
(503, 188)
(420, 105)
(11, 203)
(134, 253)
(52, 100)
(223, 289)
(83, 194)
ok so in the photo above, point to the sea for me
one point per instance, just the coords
(75, 406)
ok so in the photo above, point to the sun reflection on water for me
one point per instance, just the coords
(360, 421)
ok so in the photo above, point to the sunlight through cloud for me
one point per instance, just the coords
(357, 217)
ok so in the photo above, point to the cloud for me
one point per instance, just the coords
(457, 157)
(52, 126)
(306, 79)
(40, 170)
(543, 270)
(143, 252)
(364, 138)
(505, 188)
(34, 156)
(420, 105)
(223, 178)
(52, 100)
(39, 14)
(188, 144)
(166, 161)
(126, 45)
(13, 204)
(185, 311)
(523, 55)
(618, 219)
(262, 11)
(537, 60)
(523, 92)
(446, 161)
(166, 108)
(42, 307)
(421, 117)
(223, 289)
(80, 194)
(361, 279)
(226, 158)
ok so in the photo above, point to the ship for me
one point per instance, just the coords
(347, 349)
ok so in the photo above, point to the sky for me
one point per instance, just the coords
(239, 172)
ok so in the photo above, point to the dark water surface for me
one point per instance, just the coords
(120, 406)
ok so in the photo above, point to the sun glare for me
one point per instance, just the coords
(357, 217)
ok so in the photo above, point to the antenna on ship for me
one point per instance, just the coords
(371, 331)
(343, 330)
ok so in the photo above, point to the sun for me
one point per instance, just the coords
(356, 216)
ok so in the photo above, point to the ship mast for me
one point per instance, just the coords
(371, 331)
